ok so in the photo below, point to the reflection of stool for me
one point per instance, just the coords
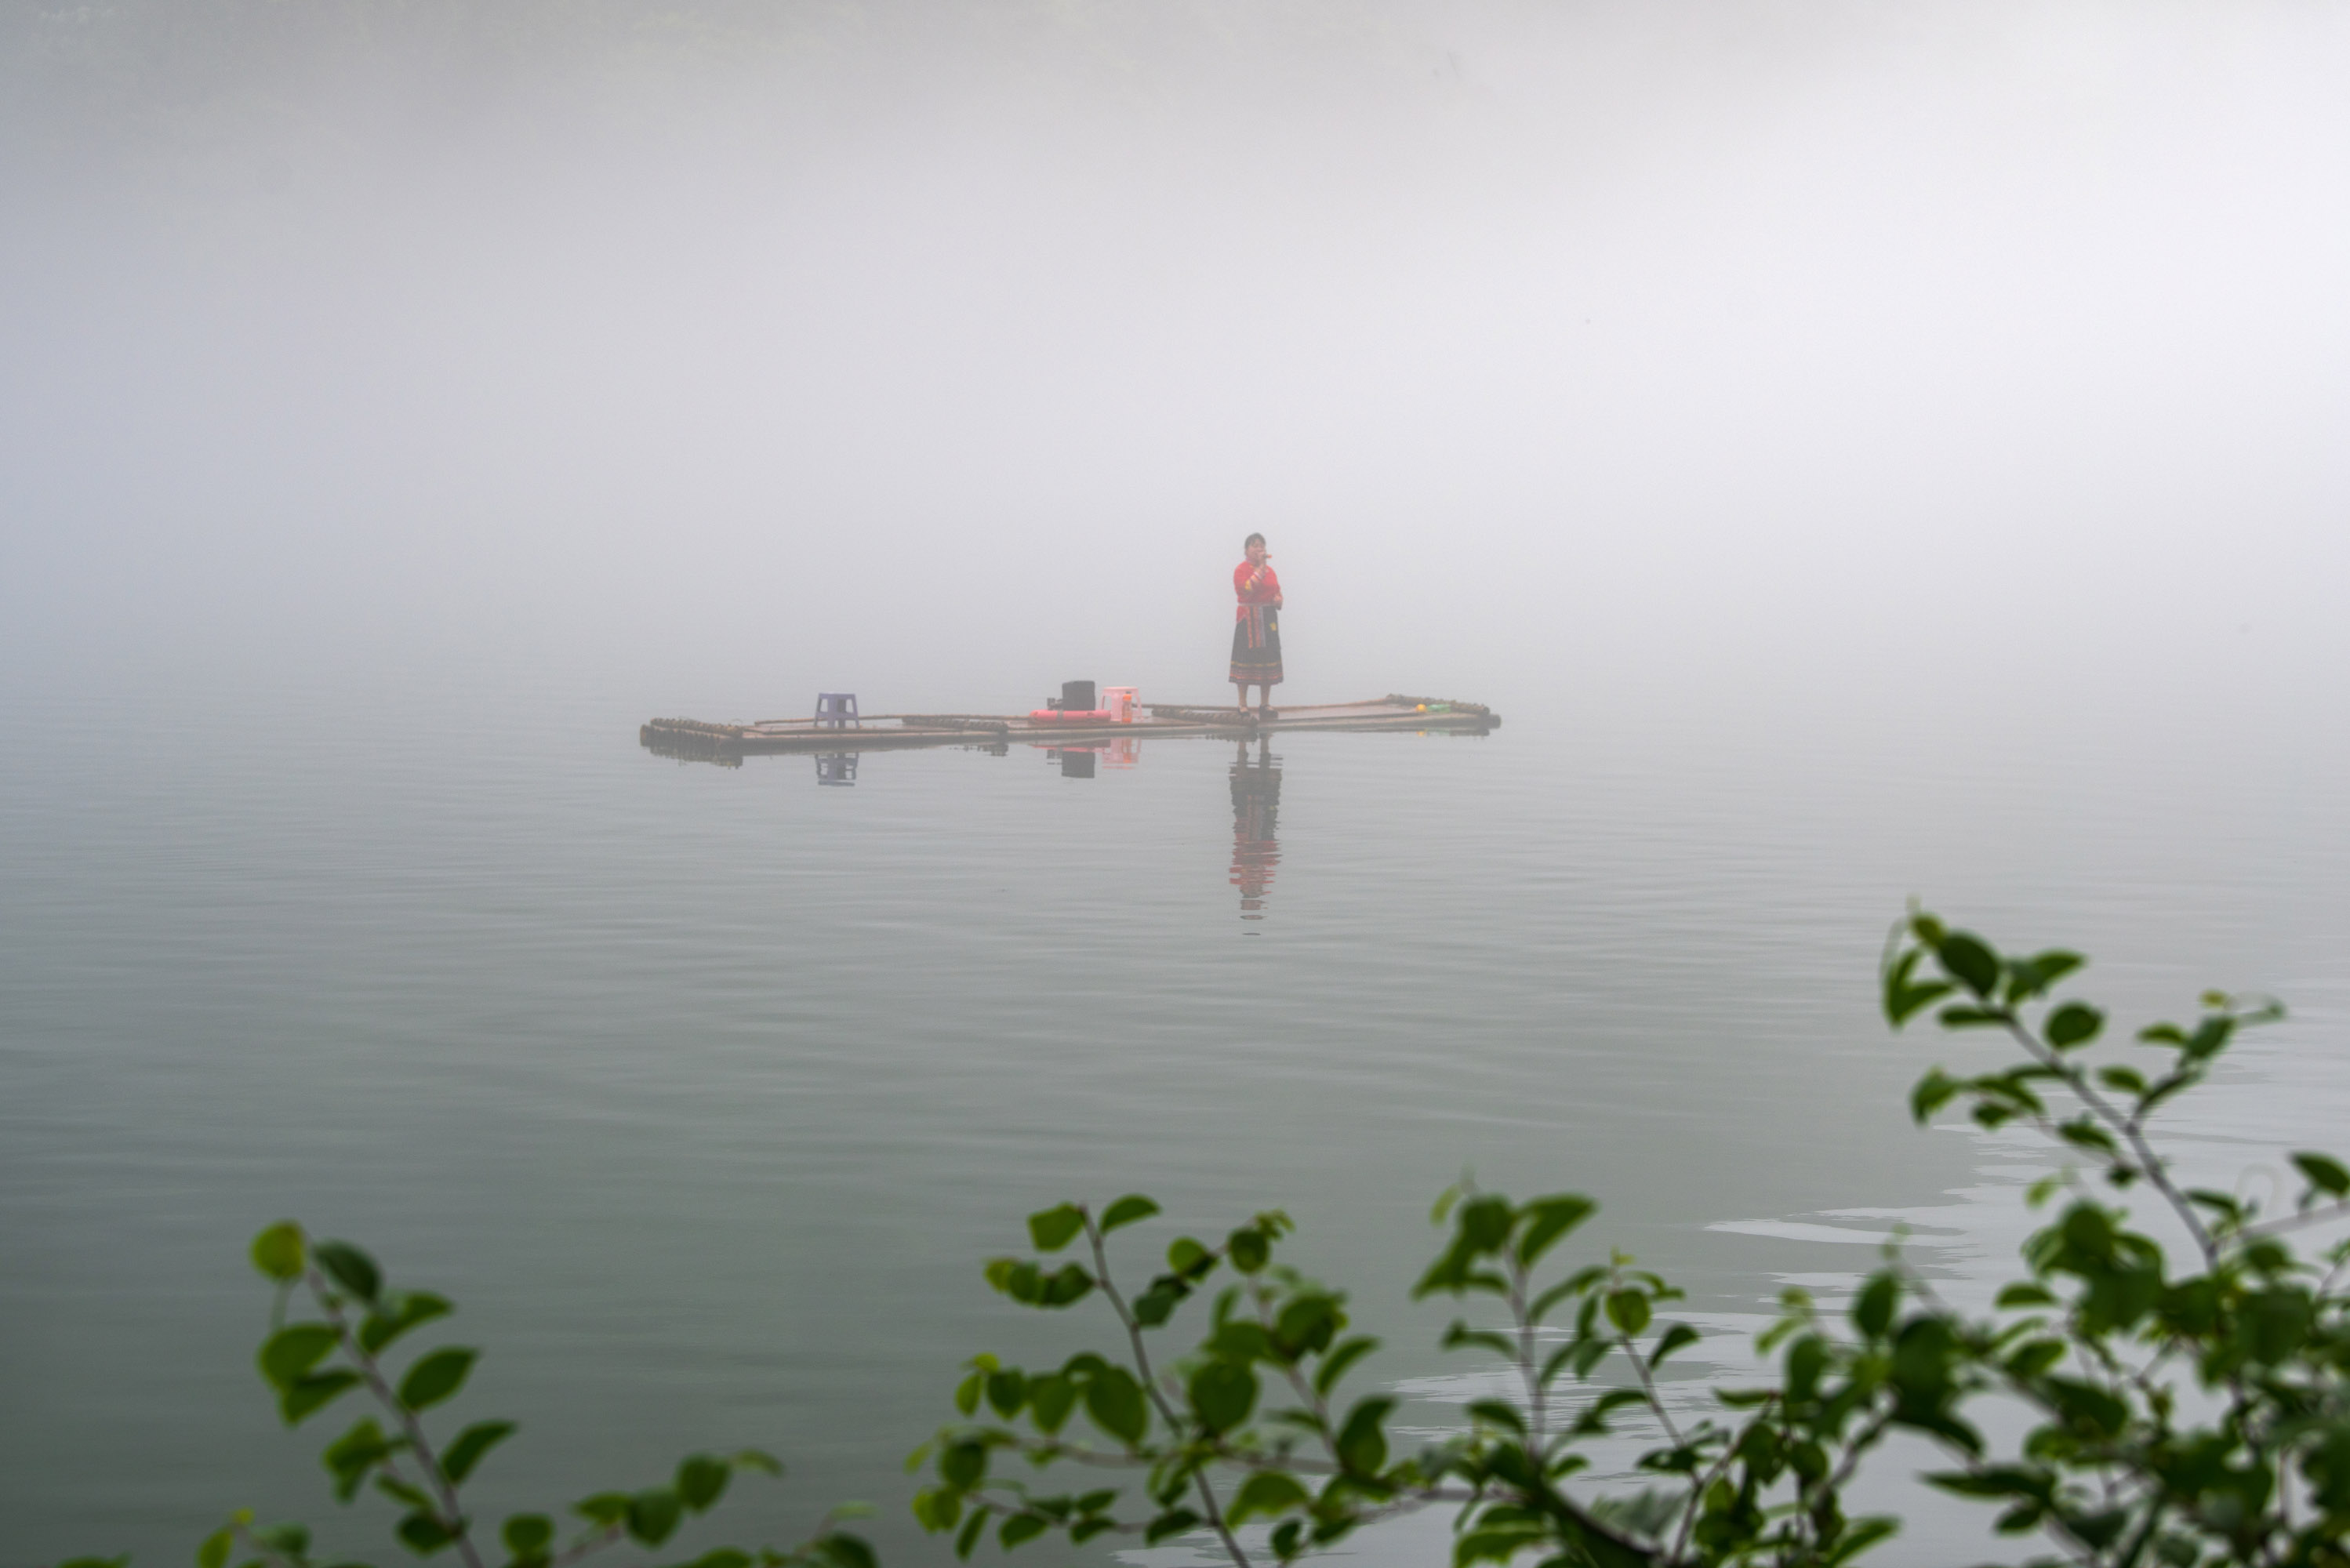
(836, 709)
(836, 770)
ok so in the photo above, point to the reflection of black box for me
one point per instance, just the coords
(1077, 696)
(1076, 764)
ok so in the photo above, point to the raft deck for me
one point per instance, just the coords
(900, 732)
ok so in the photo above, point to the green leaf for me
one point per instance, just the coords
(471, 1444)
(350, 1268)
(1114, 1400)
(527, 1534)
(1249, 1249)
(286, 1355)
(1934, 1091)
(2087, 1410)
(1362, 1445)
(653, 1515)
(398, 1315)
(974, 1528)
(1053, 1229)
(604, 1508)
(964, 1465)
(1628, 1309)
(1305, 1325)
(1188, 1258)
(1237, 1339)
(1007, 1392)
(1458, 1334)
(938, 1508)
(1594, 1415)
(2034, 1357)
(425, 1533)
(1872, 1310)
(1904, 1000)
(2028, 977)
(1342, 1356)
(758, 1459)
(1969, 960)
(2325, 1173)
(2083, 1133)
(212, 1553)
(400, 1492)
(436, 1378)
(2210, 1038)
(1050, 1399)
(2024, 1295)
(307, 1395)
(1497, 1413)
(1223, 1394)
(277, 1251)
(1858, 1537)
(1128, 1210)
(1993, 1480)
(1065, 1287)
(293, 1539)
(350, 1456)
(2075, 1024)
(843, 1550)
(1174, 1522)
(1675, 1336)
(1548, 1220)
(967, 1393)
(1269, 1493)
(1020, 1527)
(1156, 1304)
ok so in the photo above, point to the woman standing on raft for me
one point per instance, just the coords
(1256, 628)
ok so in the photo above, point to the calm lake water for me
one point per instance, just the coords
(705, 1091)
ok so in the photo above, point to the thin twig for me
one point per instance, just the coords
(422, 1446)
(1649, 1387)
(2150, 1164)
(1537, 1405)
(2284, 1222)
(1150, 1385)
(1698, 1491)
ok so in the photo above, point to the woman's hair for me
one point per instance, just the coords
(1252, 539)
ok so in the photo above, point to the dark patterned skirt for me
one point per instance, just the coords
(1256, 647)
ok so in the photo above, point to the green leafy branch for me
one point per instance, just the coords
(2115, 1354)
(313, 1362)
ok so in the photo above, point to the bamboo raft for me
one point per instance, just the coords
(901, 731)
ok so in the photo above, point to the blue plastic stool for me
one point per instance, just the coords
(836, 770)
(836, 709)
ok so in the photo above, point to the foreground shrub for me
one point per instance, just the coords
(2188, 1418)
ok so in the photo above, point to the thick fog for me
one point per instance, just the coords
(1709, 359)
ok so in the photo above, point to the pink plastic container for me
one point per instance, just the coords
(1119, 701)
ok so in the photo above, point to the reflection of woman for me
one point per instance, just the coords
(1256, 809)
(1256, 626)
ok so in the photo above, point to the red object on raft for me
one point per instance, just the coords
(1088, 715)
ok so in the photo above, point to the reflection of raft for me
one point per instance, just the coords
(895, 732)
